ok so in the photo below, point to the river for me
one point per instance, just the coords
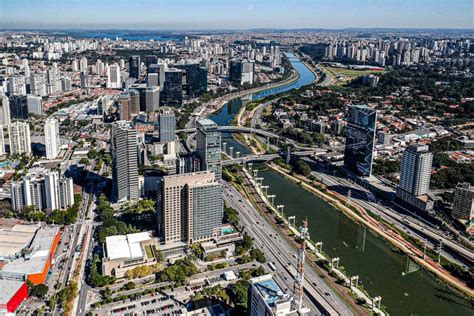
(405, 289)
(227, 113)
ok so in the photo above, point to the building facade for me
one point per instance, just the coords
(360, 140)
(463, 208)
(51, 137)
(208, 146)
(43, 190)
(190, 207)
(124, 162)
(415, 171)
(134, 66)
(20, 142)
(167, 126)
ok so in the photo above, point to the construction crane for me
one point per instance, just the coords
(299, 278)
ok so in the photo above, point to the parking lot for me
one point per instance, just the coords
(152, 304)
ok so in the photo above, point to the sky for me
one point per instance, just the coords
(233, 14)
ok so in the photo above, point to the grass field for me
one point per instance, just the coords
(342, 75)
(149, 252)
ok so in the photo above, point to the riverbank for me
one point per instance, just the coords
(242, 182)
(359, 214)
(229, 97)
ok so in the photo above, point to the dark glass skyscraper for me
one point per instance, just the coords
(203, 80)
(172, 93)
(191, 76)
(360, 139)
(134, 66)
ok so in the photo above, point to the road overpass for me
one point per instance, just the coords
(235, 129)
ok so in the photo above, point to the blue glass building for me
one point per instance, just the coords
(360, 139)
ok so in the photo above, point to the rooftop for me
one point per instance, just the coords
(15, 236)
(126, 246)
(269, 290)
(39, 252)
(8, 289)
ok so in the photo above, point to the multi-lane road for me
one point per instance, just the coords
(360, 195)
(279, 251)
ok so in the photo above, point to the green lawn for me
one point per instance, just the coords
(149, 252)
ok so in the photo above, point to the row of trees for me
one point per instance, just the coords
(96, 279)
(110, 225)
(179, 271)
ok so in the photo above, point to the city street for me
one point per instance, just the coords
(276, 249)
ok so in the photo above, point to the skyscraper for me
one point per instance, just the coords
(153, 80)
(134, 66)
(415, 170)
(84, 78)
(158, 69)
(463, 202)
(190, 207)
(415, 177)
(135, 102)
(51, 137)
(124, 107)
(152, 99)
(16, 85)
(2, 142)
(19, 133)
(172, 94)
(191, 82)
(360, 139)
(34, 104)
(19, 107)
(113, 77)
(5, 119)
(51, 190)
(241, 72)
(45, 191)
(167, 126)
(124, 162)
(208, 146)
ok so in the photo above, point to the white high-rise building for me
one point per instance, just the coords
(415, 171)
(17, 85)
(51, 136)
(38, 85)
(20, 142)
(113, 77)
(83, 67)
(99, 67)
(43, 190)
(2, 141)
(51, 190)
(5, 119)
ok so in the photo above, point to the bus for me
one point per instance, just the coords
(272, 266)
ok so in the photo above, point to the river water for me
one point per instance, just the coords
(405, 289)
(227, 113)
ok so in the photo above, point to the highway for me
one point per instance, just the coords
(278, 250)
(359, 195)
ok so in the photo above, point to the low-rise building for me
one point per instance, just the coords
(25, 257)
(125, 252)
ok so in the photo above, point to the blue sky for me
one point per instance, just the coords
(231, 14)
